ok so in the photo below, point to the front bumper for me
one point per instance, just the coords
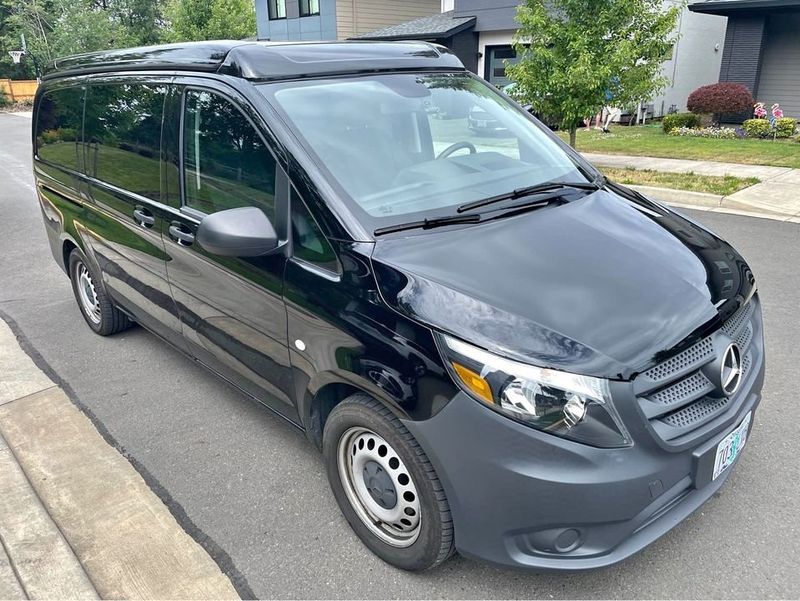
(522, 498)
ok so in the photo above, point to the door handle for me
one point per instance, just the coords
(144, 217)
(179, 233)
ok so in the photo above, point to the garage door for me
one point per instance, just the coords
(780, 64)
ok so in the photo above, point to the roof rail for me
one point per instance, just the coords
(265, 61)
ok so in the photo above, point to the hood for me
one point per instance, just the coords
(606, 285)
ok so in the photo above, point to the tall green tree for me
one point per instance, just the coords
(211, 19)
(54, 28)
(579, 55)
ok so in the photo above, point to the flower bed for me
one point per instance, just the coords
(719, 133)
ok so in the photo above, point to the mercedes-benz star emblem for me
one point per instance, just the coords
(731, 370)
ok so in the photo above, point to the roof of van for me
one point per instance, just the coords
(263, 61)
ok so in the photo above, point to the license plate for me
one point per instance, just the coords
(730, 447)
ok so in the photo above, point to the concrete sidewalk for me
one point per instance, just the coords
(77, 521)
(776, 196)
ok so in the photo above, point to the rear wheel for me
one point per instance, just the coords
(97, 309)
(386, 486)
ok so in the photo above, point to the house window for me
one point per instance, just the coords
(277, 9)
(309, 7)
(497, 58)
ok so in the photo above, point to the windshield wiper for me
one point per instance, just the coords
(427, 224)
(529, 191)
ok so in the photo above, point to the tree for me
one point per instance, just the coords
(54, 28)
(579, 55)
(211, 19)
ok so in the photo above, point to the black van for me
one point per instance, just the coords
(497, 350)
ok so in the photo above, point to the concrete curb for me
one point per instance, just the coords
(42, 561)
(684, 197)
(701, 201)
(118, 539)
(774, 197)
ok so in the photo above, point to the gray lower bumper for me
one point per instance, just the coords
(525, 499)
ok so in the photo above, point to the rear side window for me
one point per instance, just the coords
(123, 136)
(58, 126)
(226, 163)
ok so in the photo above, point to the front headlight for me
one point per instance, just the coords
(568, 405)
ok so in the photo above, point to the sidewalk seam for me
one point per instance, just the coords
(11, 563)
(45, 506)
(22, 398)
(217, 553)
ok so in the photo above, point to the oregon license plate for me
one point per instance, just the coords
(731, 446)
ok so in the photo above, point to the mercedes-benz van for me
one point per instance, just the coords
(497, 350)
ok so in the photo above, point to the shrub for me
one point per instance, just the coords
(757, 128)
(719, 133)
(674, 120)
(720, 98)
(62, 134)
(3, 99)
(784, 128)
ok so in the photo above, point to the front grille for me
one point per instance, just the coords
(676, 396)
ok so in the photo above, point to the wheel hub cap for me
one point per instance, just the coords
(379, 487)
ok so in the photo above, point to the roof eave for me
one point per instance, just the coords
(727, 7)
(421, 36)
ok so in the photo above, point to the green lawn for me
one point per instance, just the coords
(649, 140)
(722, 185)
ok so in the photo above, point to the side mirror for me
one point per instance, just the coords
(244, 232)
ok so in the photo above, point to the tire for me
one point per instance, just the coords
(97, 309)
(372, 483)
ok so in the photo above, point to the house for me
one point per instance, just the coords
(282, 20)
(480, 32)
(762, 48)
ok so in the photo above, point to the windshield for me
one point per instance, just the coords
(411, 146)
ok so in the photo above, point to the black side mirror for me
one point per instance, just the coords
(244, 232)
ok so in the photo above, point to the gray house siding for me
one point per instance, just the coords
(490, 16)
(744, 45)
(780, 71)
(295, 28)
(465, 47)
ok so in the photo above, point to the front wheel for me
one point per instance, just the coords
(386, 486)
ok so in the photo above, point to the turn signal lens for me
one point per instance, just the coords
(474, 382)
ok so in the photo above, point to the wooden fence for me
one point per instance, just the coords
(18, 90)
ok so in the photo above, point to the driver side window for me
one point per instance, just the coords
(227, 165)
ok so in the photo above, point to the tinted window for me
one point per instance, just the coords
(309, 7)
(277, 9)
(123, 136)
(58, 126)
(308, 241)
(226, 163)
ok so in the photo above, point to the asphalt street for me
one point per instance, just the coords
(255, 487)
